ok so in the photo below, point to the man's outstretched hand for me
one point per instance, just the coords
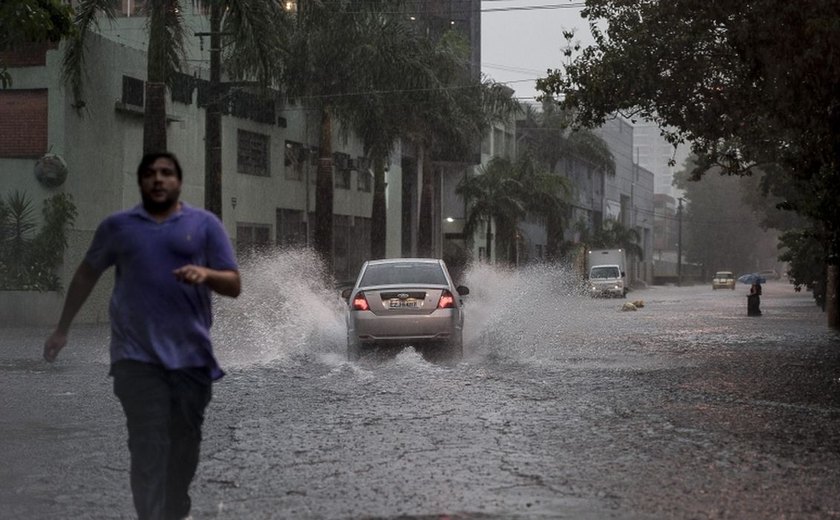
(53, 345)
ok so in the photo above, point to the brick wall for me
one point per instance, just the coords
(23, 123)
(27, 55)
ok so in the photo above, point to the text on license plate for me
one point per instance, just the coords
(396, 303)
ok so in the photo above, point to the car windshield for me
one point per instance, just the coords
(604, 272)
(403, 273)
(724, 275)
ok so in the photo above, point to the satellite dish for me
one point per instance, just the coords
(51, 170)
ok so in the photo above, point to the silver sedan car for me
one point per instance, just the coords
(405, 301)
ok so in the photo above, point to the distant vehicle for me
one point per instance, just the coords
(405, 301)
(605, 270)
(770, 274)
(723, 280)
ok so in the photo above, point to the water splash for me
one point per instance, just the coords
(511, 312)
(538, 314)
(286, 311)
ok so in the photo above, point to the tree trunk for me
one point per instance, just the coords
(154, 118)
(378, 217)
(213, 119)
(488, 237)
(323, 238)
(154, 110)
(425, 227)
(831, 305)
(554, 233)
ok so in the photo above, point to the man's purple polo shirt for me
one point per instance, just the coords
(154, 317)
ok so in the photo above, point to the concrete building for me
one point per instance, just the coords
(269, 152)
(628, 196)
(654, 154)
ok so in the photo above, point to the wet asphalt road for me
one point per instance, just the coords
(564, 407)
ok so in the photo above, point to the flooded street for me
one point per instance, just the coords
(563, 407)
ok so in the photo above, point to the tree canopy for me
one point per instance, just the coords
(748, 84)
(31, 21)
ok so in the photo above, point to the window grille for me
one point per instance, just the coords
(132, 91)
(252, 153)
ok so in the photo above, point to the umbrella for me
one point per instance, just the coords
(752, 278)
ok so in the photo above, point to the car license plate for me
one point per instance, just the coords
(396, 303)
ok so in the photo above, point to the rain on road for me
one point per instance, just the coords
(564, 407)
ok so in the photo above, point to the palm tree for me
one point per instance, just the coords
(546, 194)
(250, 27)
(549, 137)
(493, 196)
(401, 65)
(614, 234)
(451, 119)
(334, 57)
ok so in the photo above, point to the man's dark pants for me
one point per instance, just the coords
(164, 411)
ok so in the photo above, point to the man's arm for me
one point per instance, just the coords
(226, 282)
(80, 287)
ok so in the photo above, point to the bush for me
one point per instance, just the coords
(30, 257)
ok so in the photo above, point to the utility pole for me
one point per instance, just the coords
(679, 241)
(213, 117)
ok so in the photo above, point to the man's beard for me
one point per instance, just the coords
(155, 208)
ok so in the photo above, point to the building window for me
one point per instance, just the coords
(291, 229)
(252, 239)
(132, 91)
(182, 88)
(342, 170)
(295, 160)
(252, 157)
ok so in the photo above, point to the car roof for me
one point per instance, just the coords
(403, 260)
(722, 272)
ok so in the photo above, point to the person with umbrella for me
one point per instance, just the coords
(754, 297)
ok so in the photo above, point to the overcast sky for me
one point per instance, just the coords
(518, 46)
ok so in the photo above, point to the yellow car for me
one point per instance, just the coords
(723, 280)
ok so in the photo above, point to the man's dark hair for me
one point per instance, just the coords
(149, 158)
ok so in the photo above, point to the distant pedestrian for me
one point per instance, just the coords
(169, 257)
(754, 300)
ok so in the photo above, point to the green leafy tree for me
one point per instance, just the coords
(746, 83)
(723, 222)
(25, 22)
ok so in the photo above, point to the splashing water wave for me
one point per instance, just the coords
(286, 311)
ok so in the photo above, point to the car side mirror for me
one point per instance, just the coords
(463, 290)
(345, 293)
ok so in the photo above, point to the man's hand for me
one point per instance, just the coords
(192, 274)
(226, 283)
(53, 345)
